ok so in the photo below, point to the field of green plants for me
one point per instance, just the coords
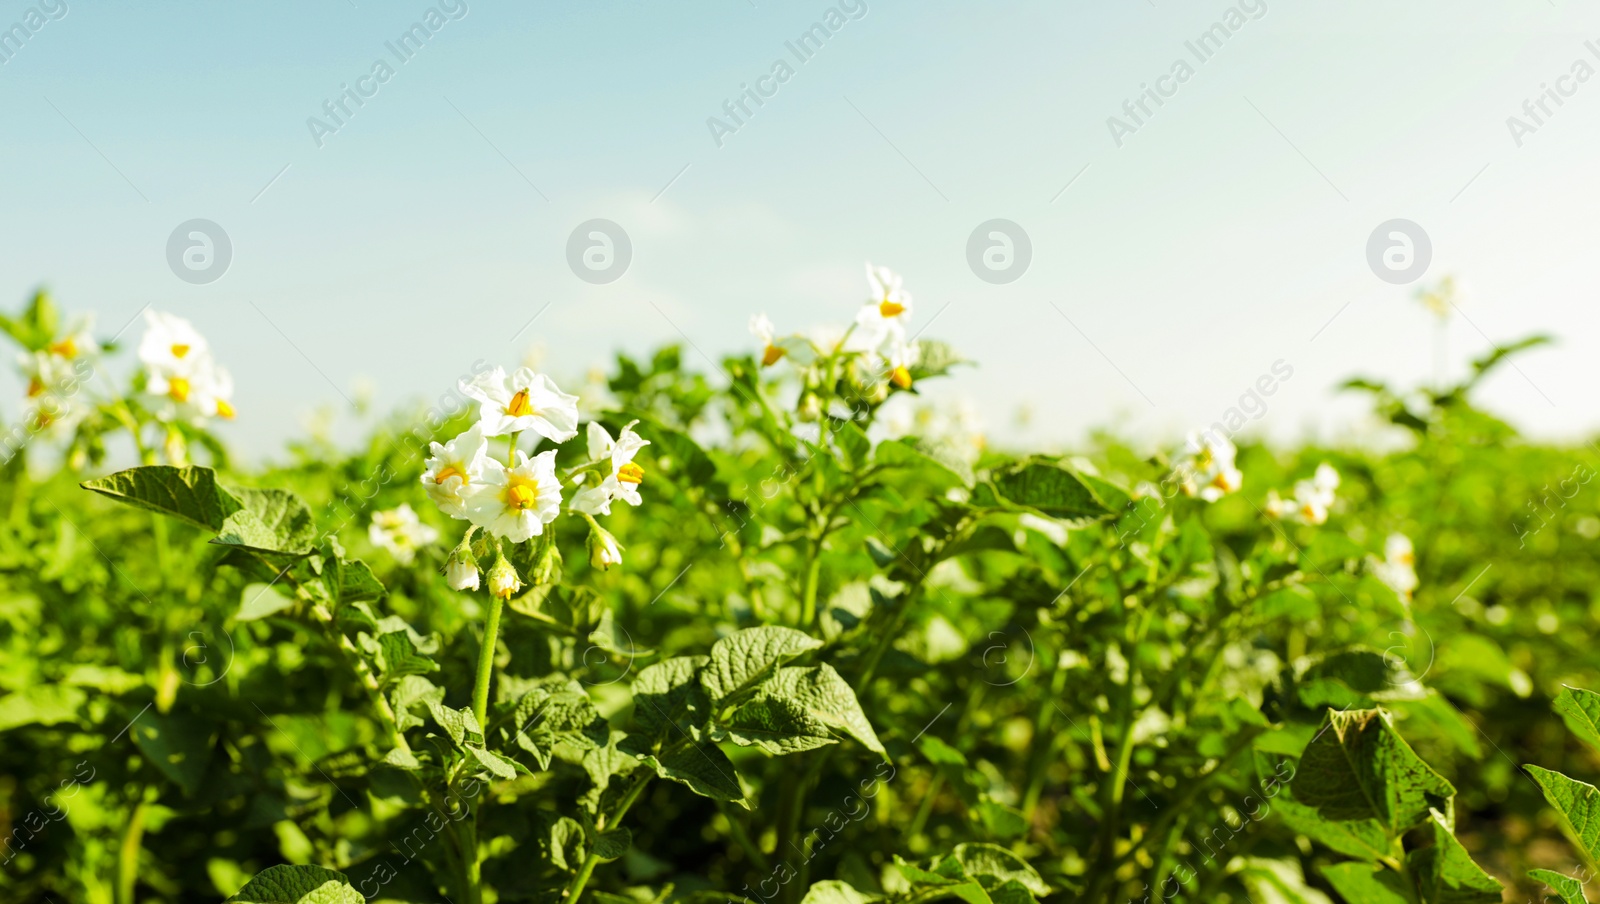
(754, 634)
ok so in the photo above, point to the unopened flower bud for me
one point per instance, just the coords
(503, 580)
(546, 568)
(810, 406)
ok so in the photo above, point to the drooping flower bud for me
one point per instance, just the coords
(546, 567)
(604, 551)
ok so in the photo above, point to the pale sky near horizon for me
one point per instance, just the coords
(1226, 233)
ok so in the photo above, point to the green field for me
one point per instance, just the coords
(787, 651)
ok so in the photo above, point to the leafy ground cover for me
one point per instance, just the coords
(755, 635)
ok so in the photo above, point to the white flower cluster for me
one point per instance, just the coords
(55, 374)
(515, 500)
(401, 532)
(1207, 467)
(180, 374)
(878, 334)
(1312, 498)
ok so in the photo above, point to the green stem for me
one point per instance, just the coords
(589, 863)
(491, 633)
(128, 853)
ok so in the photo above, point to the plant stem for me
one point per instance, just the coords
(589, 863)
(491, 633)
(128, 853)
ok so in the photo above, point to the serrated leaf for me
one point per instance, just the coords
(827, 697)
(1577, 802)
(1446, 873)
(1580, 709)
(703, 767)
(1570, 889)
(1363, 883)
(1358, 768)
(777, 725)
(743, 659)
(299, 884)
(188, 494)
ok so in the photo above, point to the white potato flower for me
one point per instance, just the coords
(453, 468)
(521, 401)
(171, 344)
(603, 549)
(401, 532)
(1275, 506)
(903, 356)
(1313, 498)
(516, 503)
(180, 371)
(775, 348)
(1398, 568)
(1208, 471)
(461, 574)
(625, 477)
(886, 312)
(503, 580)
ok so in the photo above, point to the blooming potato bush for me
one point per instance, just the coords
(783, 634)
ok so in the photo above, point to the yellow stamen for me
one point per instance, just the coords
(225, 410)
(447, 472)
(66, 348)
(178, 389)
(630, 473)
(891, 308)
(900, 377)
(518, 406)
(35, 388)
(522, 495)
(771, 355)
(179, 350)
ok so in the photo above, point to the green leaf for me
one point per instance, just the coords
(825, 696)
(258, 601)
(929, 468)
(703, 767)
(1358, 768)
(271, 521)
(398, 657)
(1580, 709)
(777, 725)
(1579, 806)
(1363, 883)
(496, 765)
(612, 844)
(1278, 882)
(1570, 889)
(833, 891)
(178, 745)
(298, 885)
(1446, 873)
(993, 862)
(188, 494)
(1049, 489)
(851, 441)
(666, 694)
(744, 658)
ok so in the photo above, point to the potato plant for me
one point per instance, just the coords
(758, 635)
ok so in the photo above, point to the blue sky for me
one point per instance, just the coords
(1222, 235)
